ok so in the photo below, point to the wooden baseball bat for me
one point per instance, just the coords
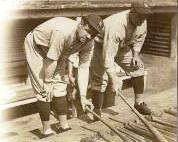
(165, 132)
(171, 112)
(160, 126)
(144, 132)
(151, 128)
(108, 125)
(163, 122)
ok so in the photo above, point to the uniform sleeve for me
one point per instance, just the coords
(140, 35)
(110, 47)
(85, 55)
(74, 59)
(56, 45)
(83, 70)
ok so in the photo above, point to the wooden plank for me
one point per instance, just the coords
(159, 29)
(155, 49)
(15, 72)
(19, 87)
(42, 3)
(161, 16)
(19, 103)
(49, 13)
(159, 46)
(15, 57)
(72, 4)
(159, 34)
(9, 65)
(156, 37)
(33, 9)
(152, 48)
(163, 9)
(22, 91)
(14, 80)
(153, 23)
(156, 53)
(12, 49)
(160, 19)
(158, 42)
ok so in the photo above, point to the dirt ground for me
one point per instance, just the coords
(160, 93)
(27, 129)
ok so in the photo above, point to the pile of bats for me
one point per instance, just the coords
(147, 127)
(163, 128)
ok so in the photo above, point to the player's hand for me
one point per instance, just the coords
(137, 62)
(72, 80)
(48, 91)
(86, 103)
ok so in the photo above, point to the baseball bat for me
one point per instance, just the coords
(171, 112)
(151, 128)
(108, 125)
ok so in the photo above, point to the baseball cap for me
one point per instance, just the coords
(142, 6)
(95, 22)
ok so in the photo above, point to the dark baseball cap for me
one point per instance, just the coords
(95, 22)
(142, 6)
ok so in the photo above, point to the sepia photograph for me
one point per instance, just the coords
(88, 70)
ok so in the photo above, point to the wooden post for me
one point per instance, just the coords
(174, 38)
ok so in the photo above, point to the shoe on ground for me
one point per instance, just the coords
(47, 133)
(142, 108)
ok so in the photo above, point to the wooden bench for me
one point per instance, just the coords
(25, 94)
